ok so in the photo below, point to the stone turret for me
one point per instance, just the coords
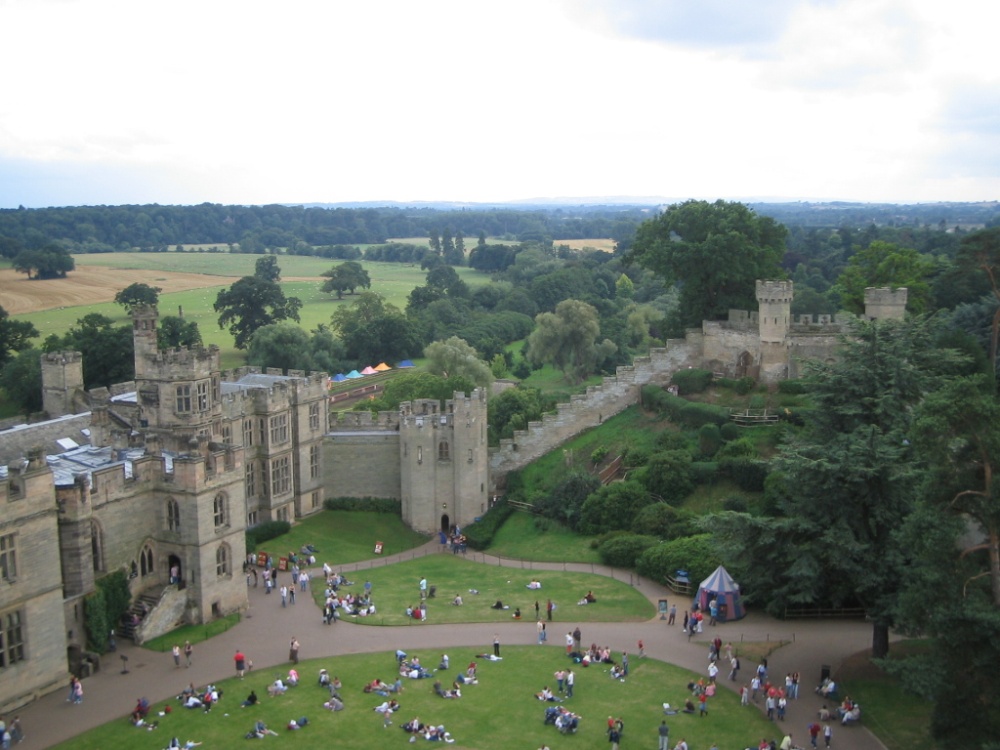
(145, 320)
(883, 303)
(62, 381)
(774, 316)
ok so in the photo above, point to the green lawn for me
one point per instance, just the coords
(499, 713)
(395, 587)
(346, 536)
(527, 537)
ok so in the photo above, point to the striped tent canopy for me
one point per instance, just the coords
(726, 592)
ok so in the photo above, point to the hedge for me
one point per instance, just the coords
(692, 381)
(704, 472)
(694, 554)
(793, 387)
(623, 551)
(479, 535)
(750, 474)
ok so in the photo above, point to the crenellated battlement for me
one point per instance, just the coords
(350, 421)
(883, 303)
(774, 291)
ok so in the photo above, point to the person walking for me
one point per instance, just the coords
(293, 651)
(569, 643)
(664, 736)
(549, 606)
(577, 636)
(176, 650)
(188, 652)
(540, 627)
(570, 682)
(496, 645)
(614, 737)
(827, 734)
(291, 595)
(284, 596)
(673, 615)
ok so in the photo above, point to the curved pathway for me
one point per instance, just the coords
(265, 630)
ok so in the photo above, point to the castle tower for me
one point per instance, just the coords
(62, 380)
(775, 301)
(444, 471)
(145, 319)
(885, 304)
(774, 319)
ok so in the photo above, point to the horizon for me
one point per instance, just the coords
(859, 101)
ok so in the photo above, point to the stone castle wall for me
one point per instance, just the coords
(584, 411)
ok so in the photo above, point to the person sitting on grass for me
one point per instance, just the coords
(457, 601)
(334, 704)
(250, 701)
(688, 707)
(297, 723)
(277, 688)
(260, 730)
(547, 695)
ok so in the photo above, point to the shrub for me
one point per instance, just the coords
(668, 476)
(744, 385)
(735, 504)
(613, 507)
(729, 431)
(265, 531)
(709, 439)
(565, 501)
(664, 522)
(748, 473)
(695, 414)
(742, 448)
(694, 554)
(669, 440)
(597, 455)
(704, 472)
(480, 534)
(376, 504)
(692, 380)
(793, 387)
(624, 550)
(633, 457)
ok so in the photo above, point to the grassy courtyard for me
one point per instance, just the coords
(499, 713)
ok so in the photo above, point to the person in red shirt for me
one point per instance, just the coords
(241, 663)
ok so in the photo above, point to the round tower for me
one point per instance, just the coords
(774, 317)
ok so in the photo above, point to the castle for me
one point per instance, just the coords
(161, 477)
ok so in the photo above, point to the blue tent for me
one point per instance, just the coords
(339, 378)
(352, 375)
(405, 363)
(721, 587)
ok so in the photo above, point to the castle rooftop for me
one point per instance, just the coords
(256, 380)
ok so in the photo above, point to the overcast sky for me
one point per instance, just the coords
(186, 101)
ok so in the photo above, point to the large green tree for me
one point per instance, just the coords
(981, 251)
(21, 380)
(374, 331)
(568, 339)
(346, 277)
(847, 482)
(174, 331)
(15, 336)
(108, 350)
(138, 294)
(252, 303)
(714, 251)
(454, 357)
(47, 262)
(883, 264)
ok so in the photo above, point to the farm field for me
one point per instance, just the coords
(55, 305)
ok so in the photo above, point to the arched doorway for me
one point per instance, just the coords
(445, 523)
(176, 571)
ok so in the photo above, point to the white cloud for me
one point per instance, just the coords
(247, 101)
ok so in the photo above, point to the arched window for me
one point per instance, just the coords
(173, 515)
(97, 545)
(222, 560)
(146, 560)
(220, 512)
(443, 452)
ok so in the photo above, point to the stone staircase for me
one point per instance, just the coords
(142, 606)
